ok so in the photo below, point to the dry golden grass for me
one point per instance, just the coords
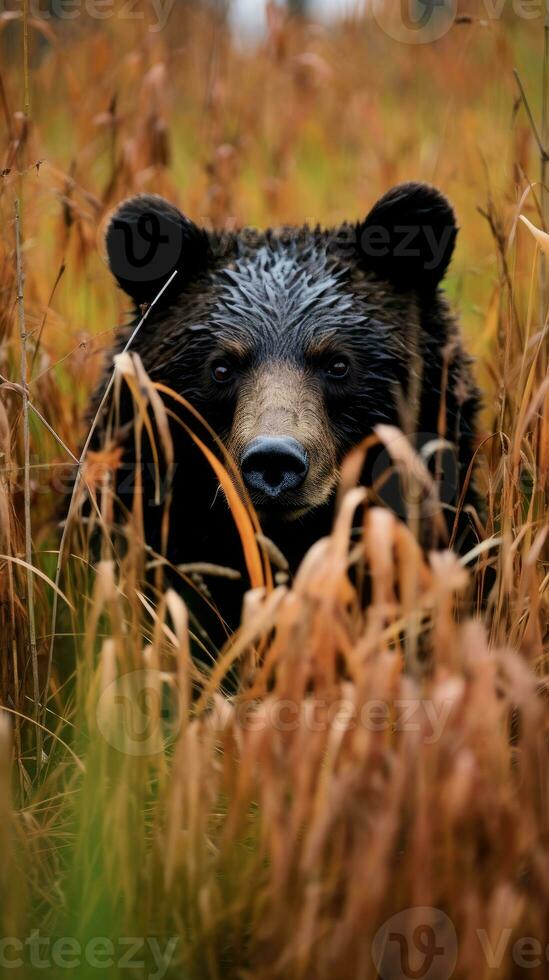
(374, 761)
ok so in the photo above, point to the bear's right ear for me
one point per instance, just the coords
(409, 236)
(147, 239)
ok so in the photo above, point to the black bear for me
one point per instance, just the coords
(292, 344)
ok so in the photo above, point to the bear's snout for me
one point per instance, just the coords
(273, 466)
(283, 441)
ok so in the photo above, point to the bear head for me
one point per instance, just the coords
(294, 343)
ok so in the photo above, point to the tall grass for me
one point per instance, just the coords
(375, 761)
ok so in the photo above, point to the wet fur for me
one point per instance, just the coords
(278, 303)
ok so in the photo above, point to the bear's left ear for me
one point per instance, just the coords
(147, 239)
(408, 237)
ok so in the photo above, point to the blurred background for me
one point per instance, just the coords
(254, 113)
(246, 112)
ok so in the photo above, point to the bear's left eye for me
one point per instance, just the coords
(221, 371)
(337, 368)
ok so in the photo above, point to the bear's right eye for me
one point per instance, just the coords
(338, 368)
(222, 371)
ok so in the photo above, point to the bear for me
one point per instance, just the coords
(292, 344)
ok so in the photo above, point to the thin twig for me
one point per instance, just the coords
(78, 480)
(8, 118)
(43, 324)
(543, 155)
(26, 481)
(543, 163)
(537, 137)
(12, 386)
(26, 82)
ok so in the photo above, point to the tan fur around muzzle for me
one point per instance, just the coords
(282, 400)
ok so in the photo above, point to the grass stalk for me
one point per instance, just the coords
(26, 78)
(33, 650)
(78, 480)
(543, 161)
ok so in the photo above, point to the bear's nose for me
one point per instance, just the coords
(274, 465)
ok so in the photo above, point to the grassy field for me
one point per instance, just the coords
(277, 833)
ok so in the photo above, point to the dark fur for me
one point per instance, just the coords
(278, 304)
